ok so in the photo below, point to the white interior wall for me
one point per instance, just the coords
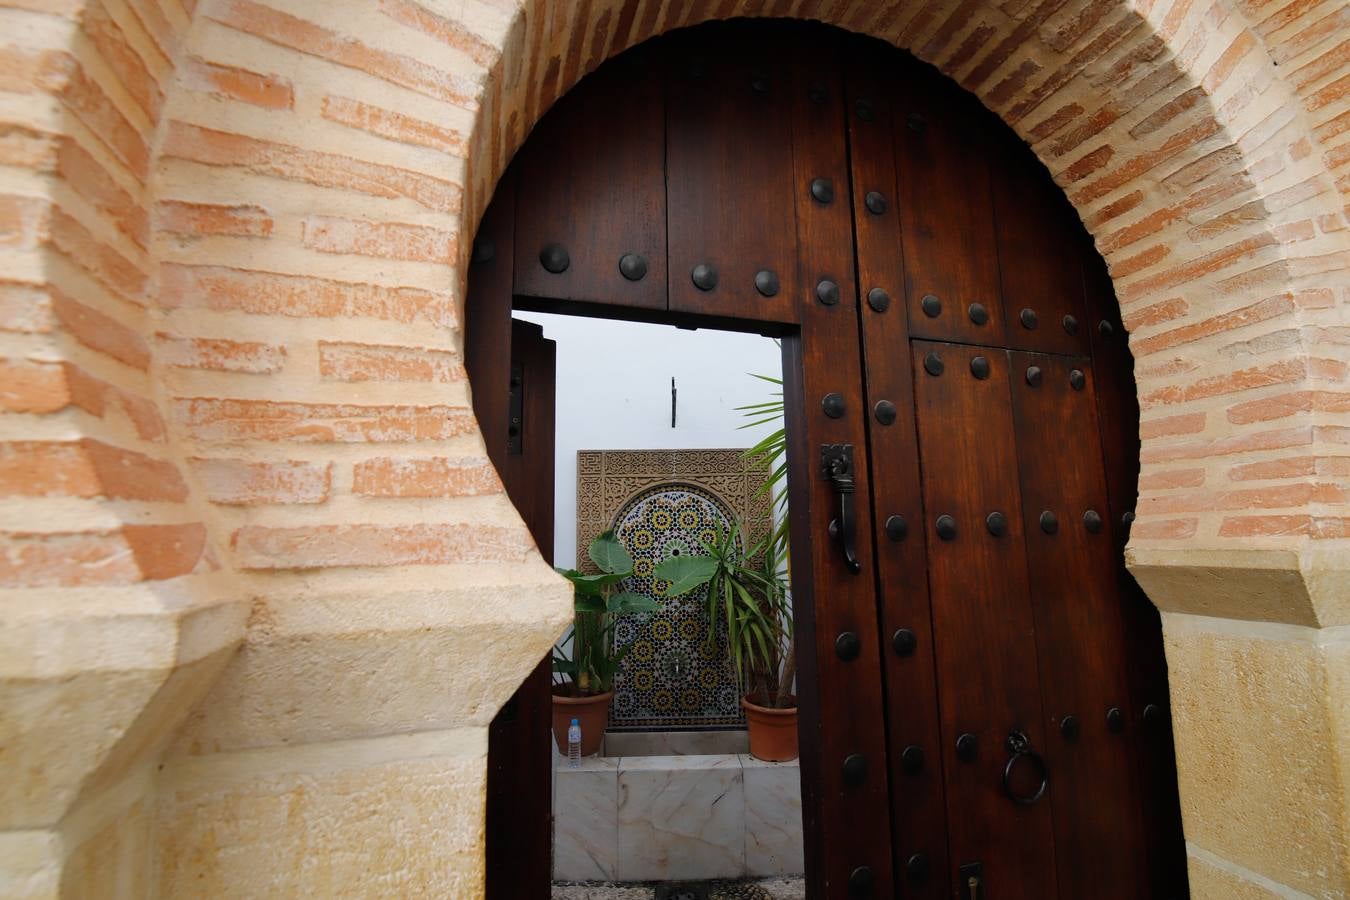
(613, 388)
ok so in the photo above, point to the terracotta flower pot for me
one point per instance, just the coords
(773, 732)
(591, 713)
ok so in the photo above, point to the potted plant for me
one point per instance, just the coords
(747, 593)
(586, 660)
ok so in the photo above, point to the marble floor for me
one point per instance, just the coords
(753, 889)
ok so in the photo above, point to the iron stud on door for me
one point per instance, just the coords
(1069, 728)
(704, 277)
(633, 266)
(860, 882)
(827, 292)
(997, 523)
(896, 528)
(911, 759)
(833, 405)
(766, 282)
(946, 528)
(554, 258)
(917, 868)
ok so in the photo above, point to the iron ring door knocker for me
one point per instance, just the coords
(1020, 747)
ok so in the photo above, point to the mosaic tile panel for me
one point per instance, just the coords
(661, 503)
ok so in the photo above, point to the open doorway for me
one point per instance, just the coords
(655, 428)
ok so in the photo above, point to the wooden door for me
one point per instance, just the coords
(983, 692)
(520, 744)
(991, 460)
(513, 367)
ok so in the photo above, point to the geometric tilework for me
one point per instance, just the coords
(663, 503)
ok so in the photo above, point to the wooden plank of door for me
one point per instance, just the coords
(914, 737)
(1118, 420)
(519, 836)
(983, 629)
(729, 142)
(1080, 637)
(528, 468)
(487, 317)
(946, 214)
(592, 182)
(845, 820)
(1040, 268)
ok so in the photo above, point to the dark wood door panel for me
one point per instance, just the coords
(730, 179)
(846, 819)
(1079, 632)
(527, 467)
(914, 737)
(1118, 419)
(518, 815)
(946, 211)
(592, 193)
(984, 634)
(1040, 268)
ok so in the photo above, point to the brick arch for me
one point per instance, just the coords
(1190, 161)
(234, 223)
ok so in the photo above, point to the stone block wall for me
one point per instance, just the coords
(261, 592)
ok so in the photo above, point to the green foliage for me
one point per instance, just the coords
(747, 594)
(591, 661)
(771, 452)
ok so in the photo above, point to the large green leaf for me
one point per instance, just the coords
(629, 602)
(610, 555)
(591, 584)
(685, 573)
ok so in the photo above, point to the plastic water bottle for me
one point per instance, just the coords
(574, 745)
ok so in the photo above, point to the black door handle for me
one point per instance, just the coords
(837, 461)
(1019, 748)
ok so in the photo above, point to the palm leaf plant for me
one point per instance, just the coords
(747, 594)
(586, 660)
(771, 453)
